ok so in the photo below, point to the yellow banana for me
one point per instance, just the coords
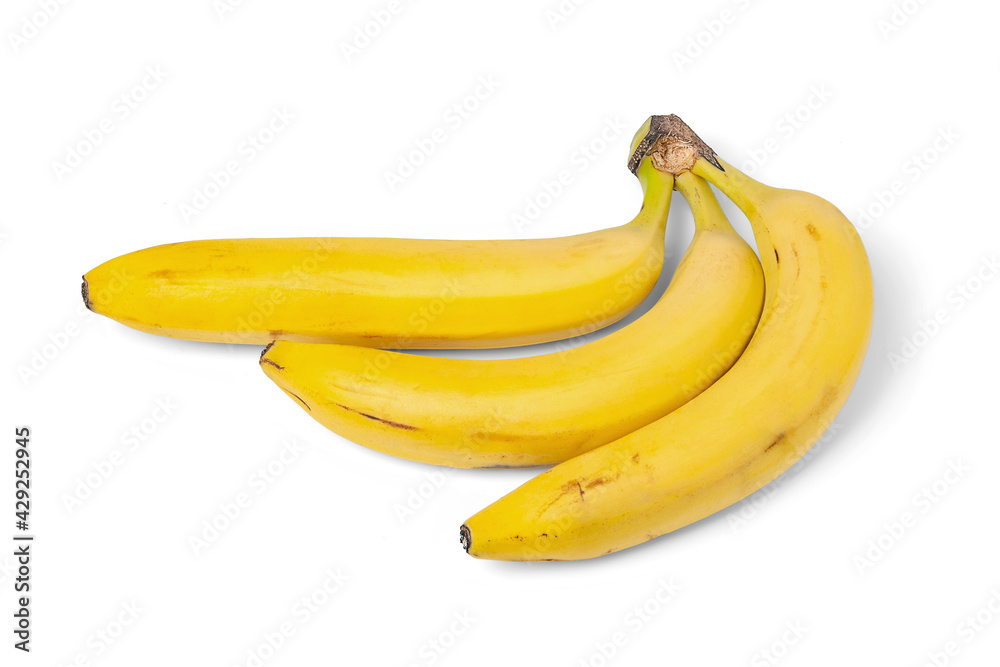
(513, 413)
(744, 430)
(394, 293)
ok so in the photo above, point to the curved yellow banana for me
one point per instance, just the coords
(512, 413)
(394, 293)
(744, 430)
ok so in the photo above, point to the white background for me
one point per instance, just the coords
(812, 550)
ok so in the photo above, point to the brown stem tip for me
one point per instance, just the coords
(465, 538)
(85, 291)
(672, 145)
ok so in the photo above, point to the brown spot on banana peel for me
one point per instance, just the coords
(776, 441)
(164, 274)
(812, 231)
(387, 422)
(777, 259)
(567, 488)
(598, 481)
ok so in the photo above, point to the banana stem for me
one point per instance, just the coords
(708, 214)
(657, 188)
(672, 146)
(745, 192)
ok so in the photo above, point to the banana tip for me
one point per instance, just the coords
(85, 291)
(265, 361)
(465, 538)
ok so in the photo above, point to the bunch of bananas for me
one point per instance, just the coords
(722, 386)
